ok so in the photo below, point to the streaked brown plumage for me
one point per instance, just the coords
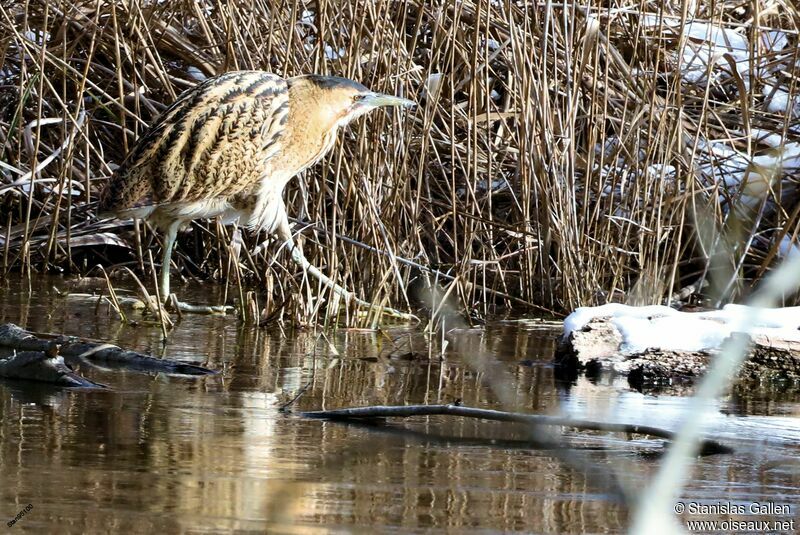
(227, 148)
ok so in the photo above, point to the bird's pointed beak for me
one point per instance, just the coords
(377, 100)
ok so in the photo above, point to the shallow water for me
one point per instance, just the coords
(159, 453)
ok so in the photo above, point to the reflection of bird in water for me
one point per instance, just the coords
(227, 148)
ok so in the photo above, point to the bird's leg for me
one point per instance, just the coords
(166, 258)
(284, 233)
(170, 299)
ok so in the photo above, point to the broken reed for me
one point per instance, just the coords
(491, 181)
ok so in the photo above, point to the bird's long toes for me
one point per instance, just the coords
(219, 310)
(388, 311)
(401, 315)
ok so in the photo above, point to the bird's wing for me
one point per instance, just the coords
(214, 140)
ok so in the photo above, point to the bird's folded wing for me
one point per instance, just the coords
(213, 141)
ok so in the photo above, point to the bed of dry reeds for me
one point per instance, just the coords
(493, 187)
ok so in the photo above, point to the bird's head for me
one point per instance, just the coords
(341, 100)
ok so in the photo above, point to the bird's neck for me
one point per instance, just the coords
(312, 135)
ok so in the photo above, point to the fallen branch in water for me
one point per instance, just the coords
(44, 367)
(76, 351)
(708, 447)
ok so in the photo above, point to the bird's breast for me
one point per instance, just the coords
(262, 207)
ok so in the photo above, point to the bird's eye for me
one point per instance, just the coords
(359, 97)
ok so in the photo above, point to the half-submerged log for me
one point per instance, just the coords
(374, 414)
(43, 367)
(598, 346)
(76, 351)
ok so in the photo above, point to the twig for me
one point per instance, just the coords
(113, 296)
(708, 447)
(285, 407)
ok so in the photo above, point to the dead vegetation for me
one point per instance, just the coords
(561, 155)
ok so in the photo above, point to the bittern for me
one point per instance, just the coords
(227, 148)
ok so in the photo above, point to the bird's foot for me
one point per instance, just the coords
(181, 307)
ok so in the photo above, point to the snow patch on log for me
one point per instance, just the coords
(658, 345)
(663, 327)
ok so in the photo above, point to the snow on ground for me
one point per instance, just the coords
(711, 51)
(705, 44)
(788, 248)
(780, 101)
(663, 327)
(749, 178)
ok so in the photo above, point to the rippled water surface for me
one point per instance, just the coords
(159, 453)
